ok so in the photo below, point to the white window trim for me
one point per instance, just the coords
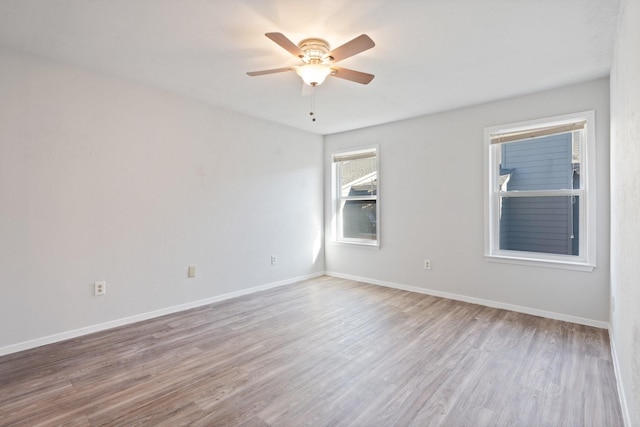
(586, 261)
(335, 200)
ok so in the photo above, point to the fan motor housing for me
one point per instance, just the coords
(316, 51)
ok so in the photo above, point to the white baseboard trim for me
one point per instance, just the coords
(626, 415)
(26, 345)
(480, 301)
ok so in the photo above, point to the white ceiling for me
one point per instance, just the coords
(430, 55)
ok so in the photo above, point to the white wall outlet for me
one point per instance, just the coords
(99, 288)
(427, 264)
(191, 271)
(274, 259)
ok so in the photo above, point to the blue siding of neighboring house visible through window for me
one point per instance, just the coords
(540, 224)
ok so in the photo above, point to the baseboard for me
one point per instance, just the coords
(480, 301)
(626, 415)
(26, 345)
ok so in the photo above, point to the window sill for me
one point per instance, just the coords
(357, 243)
(545, 263)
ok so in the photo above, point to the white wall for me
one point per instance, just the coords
(625, 207)
(102, 179)
(431, 195)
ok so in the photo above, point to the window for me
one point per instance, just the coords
(355, 197)
(540, 192)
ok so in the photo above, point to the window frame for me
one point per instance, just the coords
(586, 258)
(337, 198)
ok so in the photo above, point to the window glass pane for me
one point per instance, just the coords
(359, 219)
(545, 163)
(358, 177)
(540, 224)
(539, 207)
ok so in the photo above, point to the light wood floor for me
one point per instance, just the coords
(321, 352)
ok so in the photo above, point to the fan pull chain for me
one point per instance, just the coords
(313, 103)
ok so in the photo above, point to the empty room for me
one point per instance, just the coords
(321, 213)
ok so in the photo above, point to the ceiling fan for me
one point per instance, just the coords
(318, 59)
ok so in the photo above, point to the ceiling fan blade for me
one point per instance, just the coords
(353, 47)
(352, 75)
(273, 71)
(286, 44)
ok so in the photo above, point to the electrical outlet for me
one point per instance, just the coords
(274, 259)
(191, 271)
(427, 264)
(99, 288)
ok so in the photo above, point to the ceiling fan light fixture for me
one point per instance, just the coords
(313, 74)
(318, 60)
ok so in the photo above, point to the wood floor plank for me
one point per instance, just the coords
(323, 352)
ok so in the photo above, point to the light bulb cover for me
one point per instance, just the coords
(313, 74)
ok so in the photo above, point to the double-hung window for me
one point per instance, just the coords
(355, 197)
(540, 192)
